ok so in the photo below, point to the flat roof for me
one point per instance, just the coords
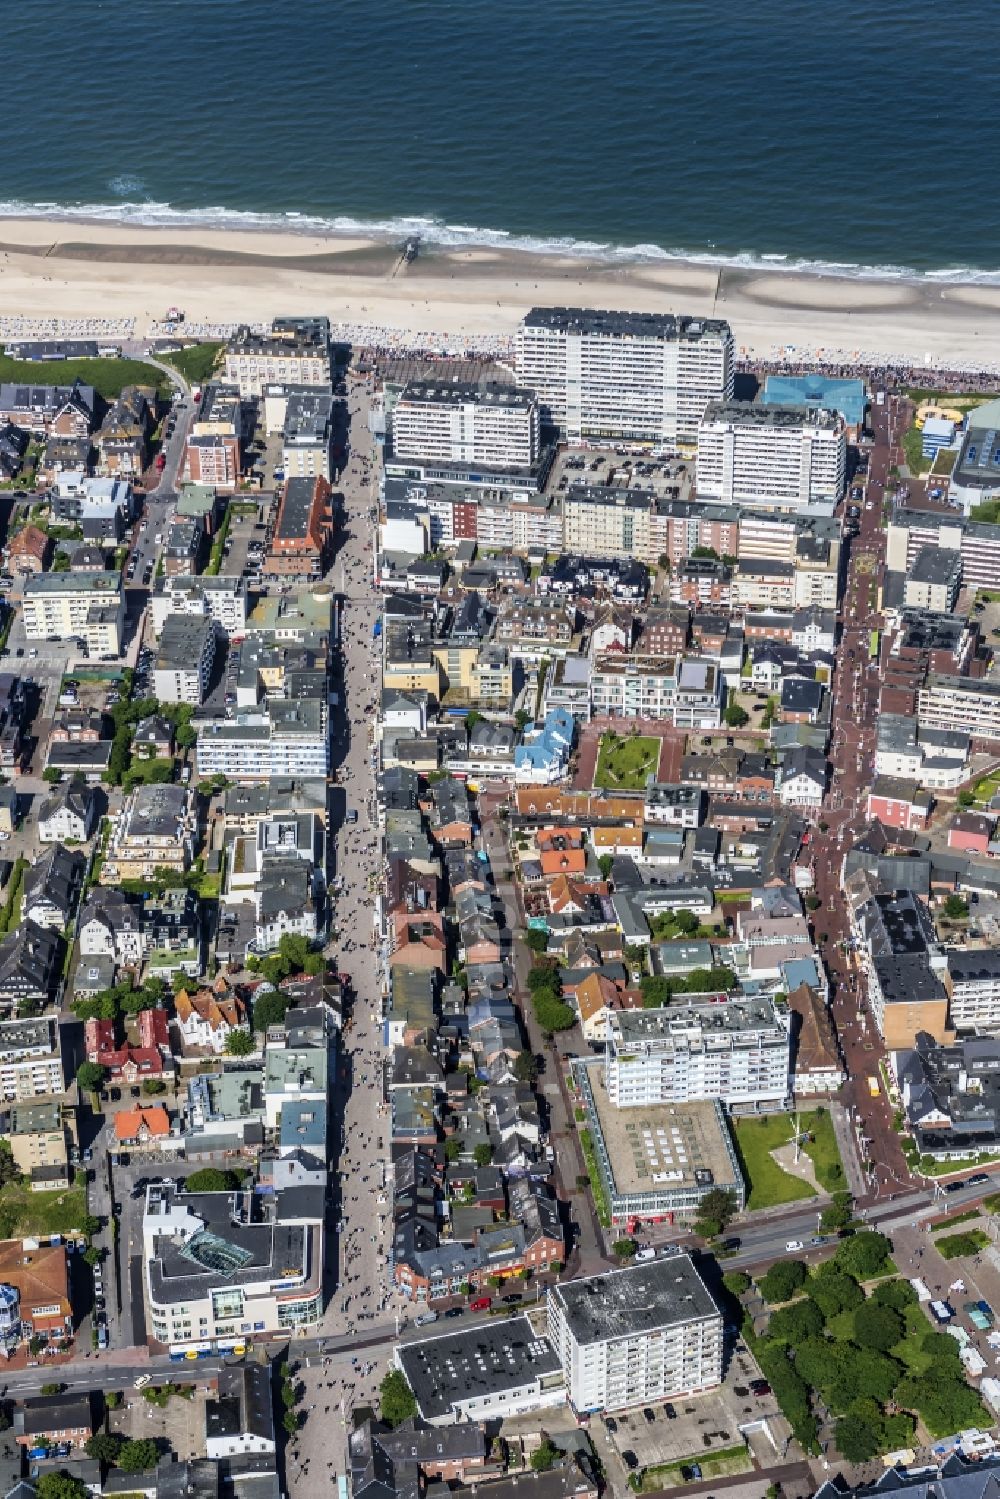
(69, 583)
(670, 1139)
(635, 1300)
(662, 325)
(295, 512)
(454, 393)
(849, 397)
(474, 1362)
(750, 414)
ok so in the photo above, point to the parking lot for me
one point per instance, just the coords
(701, 1426)
(177, 1426)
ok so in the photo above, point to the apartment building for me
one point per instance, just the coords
(897, 945)
(736, 1050)
(213, 451)
(686, 690)
(155, 829)
(631, 377)
(602, 522)
(771, 457)
(977, 543)
(30, 1059)
(295, 352)
(90, 605)
(182, 672)
(41, 1134)
(307, 435)
(222, 600)
(281, 739)
(302, 531)
(972, 979)
(494, 427)
(969, 705)
(763, 585)
(219, 1266)
(634, 1336)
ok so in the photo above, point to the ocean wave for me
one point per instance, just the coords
(437, 233)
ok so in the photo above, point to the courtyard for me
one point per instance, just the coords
(625, 763)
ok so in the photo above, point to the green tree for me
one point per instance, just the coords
(291, 1422)
(794, 1323)
(782, 1280)
(537, 940)
(624, 1248)
(90, 1077)
(396, 1399)
(877, 1327)
(708, 552)
(545, 1456)
(864, 1255)
(735, 716)
(736, 1282)
(152, 1086)
(965, 798)
(605, 864)
(452, 1149)
(91, 1256)
(483, 1154)
(105, 1446)
(52, 774)
(944, 1404)
(52, 1388)
(863, 1372)
(856, 1440)
(551, 1012)
(240, 1044)
(656, 991)
(138, 1455)
(835, 1292)
(526, 1067)
(522, 718)
(955, 908)
(211, 1179)
(814, 1363)
(686, 922)
(269, 1009)
(60, 1486)
(716, 1211)
(898, 1294)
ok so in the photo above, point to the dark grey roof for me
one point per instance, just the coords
(638, 1299)
(452, 1366)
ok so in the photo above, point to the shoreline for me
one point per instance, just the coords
(52, 268)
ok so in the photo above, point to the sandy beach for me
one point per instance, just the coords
(72, 269)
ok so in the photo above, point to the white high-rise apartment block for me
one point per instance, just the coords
(630, 1337)
(737, 1051)
(778, 457)
(495, 426)
(973, 983)
(625, 376)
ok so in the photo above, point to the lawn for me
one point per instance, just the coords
(196, 363)
(823, 1150)
(624, 764)
(23, 1212)
(107, 376)
(768, 1186)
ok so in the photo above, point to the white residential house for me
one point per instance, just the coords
(110, 928)
(68, 813)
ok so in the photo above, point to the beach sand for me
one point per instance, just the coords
(74, 269)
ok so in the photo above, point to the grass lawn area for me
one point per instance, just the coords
(713, 1465)
(196, 363)
(913, 442)
(909, 1351)
(107, 376)
(944, 462)
(768, 1186)
(624, 764)
(823, 1150)
(23, 1212)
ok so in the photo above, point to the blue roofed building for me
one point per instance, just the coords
(542, 756)
(846, 396)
